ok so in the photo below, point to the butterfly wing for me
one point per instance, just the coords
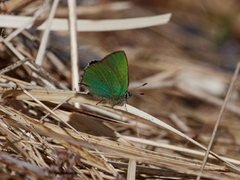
(101, 80)
(117, 62)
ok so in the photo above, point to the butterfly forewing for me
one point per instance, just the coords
(117, 62)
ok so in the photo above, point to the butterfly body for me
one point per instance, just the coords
(107, 79)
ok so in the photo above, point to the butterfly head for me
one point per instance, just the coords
(121, 100)
(127, 95)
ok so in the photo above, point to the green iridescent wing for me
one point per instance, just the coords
(107, 78)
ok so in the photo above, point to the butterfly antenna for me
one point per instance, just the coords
(139, 86)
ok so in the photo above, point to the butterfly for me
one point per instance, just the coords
(108, 78)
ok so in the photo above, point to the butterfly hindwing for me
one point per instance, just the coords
(101, 81)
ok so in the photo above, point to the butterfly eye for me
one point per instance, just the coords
(127, 95)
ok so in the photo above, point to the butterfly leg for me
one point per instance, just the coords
(99, 102)
(113, 105)
(125, 104)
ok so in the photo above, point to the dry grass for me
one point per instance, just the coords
(161, 135)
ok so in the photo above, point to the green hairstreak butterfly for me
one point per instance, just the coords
(108, 78)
